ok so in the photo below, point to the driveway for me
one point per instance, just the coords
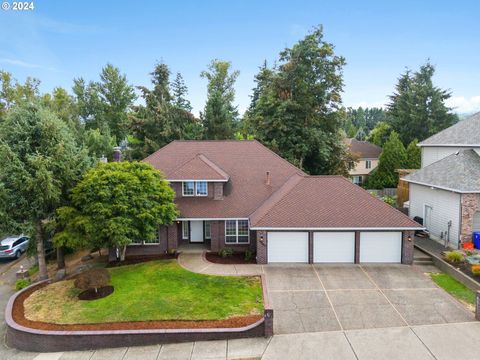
(317, 298)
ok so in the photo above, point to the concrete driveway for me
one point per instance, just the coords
(315, 298)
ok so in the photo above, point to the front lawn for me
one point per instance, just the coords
(156, 290)
(454, 287)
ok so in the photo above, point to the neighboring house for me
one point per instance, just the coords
(241, 195)
(367, 155)
(445, 192)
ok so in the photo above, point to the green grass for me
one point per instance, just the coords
(454, 287)
(33, 270)
(156, 290)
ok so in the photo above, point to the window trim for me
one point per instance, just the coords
(185, 227)
(209, 237)
(183, 188)
(206, 188)
(236, 233)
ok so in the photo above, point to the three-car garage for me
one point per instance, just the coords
(334, 246)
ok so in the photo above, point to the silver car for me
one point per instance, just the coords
(13, 246)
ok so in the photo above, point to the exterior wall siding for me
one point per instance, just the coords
(361, 168)
(445, 207)
(431, 154)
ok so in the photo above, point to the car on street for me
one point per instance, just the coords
(13, 246)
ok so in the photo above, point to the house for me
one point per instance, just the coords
(367, 155)
(241, 195)
(445, 192)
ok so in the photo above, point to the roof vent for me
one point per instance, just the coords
(458, 152)
(269, 179)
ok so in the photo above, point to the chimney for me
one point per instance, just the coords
(269, 180)
(117, 154)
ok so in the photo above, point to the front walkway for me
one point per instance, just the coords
(196, 262)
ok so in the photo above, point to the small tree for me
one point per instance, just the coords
(393, 157)
(114, 204)
(414, 155)
(92, 279)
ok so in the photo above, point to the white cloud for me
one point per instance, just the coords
(461, 104)
(24, 64)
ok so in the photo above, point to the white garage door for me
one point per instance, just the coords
(383, 247)
(336, 247)
(287, 247)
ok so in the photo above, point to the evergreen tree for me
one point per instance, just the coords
(380, 134)
(220, 115)
(360, 135)
(417, 108)
(179, 93)
(414, 155)
(393, 157)
(296, 109)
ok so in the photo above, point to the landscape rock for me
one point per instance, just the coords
(60, 275)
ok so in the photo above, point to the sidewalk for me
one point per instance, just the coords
(196, 262)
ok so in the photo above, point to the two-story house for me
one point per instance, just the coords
(241, 195)
(367, 155)
(445, 192)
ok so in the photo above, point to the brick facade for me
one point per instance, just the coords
(262, 256)
(218, 191)
(470, 204)
(407, 247)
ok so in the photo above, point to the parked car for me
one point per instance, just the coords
(13, 246)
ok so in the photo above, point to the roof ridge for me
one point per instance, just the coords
(214, 166)
(277, 196)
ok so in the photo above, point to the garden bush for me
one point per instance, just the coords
(226, 252)
(476, 270)
(92, 279)
(454, 256)
(22, 284)
(249, 254)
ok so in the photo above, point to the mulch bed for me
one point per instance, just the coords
(91, 294)
(137, 259)
(464, 267)
(236, 258)
(18, 314)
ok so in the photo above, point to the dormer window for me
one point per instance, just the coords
(201, 188)
(194, 188)
(188, 188)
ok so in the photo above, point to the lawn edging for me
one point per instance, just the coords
(37, 340)
(451, 270)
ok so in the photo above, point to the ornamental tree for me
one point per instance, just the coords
(114, 204)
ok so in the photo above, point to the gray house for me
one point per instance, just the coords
(445, 192)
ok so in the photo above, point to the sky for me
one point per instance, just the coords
(62, 40)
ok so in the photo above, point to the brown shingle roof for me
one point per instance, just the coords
(246, 162)
(328, 202)
(198, 168)
(363, 149)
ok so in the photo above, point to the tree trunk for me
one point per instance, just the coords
(42, 264)
(122, 254)
(60, 257)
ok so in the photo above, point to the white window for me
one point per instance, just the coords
(202, 188)
(207, 230)
(185, 230)
(357, 180)
(368, 164)
(188, 188)
(236, 232)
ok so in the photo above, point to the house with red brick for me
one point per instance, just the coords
(241, 195)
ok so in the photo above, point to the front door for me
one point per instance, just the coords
(196, 231)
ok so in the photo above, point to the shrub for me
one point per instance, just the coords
(249, 254)
(21, 284)
(454, 256)
(476, 270)
(172, 251)
(226, 252)
(390, 200)
(92, 279)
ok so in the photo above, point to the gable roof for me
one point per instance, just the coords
(363, 149)
(327, 202)
(464, 133)
(246, 163)
(459, 172)
(198, 168)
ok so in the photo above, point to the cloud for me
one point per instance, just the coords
(24, 64)
(462, 104)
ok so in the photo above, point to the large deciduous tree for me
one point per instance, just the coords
(417, 108)
(114, 204)
(40, 162)
(164, 117)
(219, 117)
(380, 133)
(296, 107)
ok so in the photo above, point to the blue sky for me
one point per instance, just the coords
(61, 40)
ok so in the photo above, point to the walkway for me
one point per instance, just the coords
(196, 262)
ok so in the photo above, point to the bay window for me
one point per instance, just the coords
(236, 232)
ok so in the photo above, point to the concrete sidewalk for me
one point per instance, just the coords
(196, 262)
